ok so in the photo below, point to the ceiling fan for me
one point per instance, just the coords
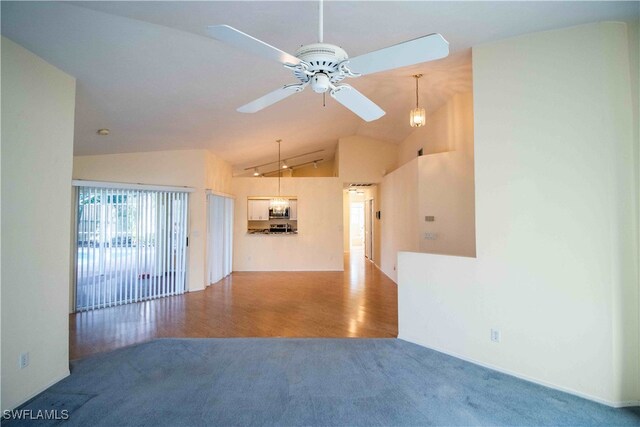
(323, 66)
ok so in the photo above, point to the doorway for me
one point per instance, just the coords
(356, 226)
(368, 229)
(130, 245)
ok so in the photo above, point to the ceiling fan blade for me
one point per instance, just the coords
(271, 98)
(240, 40)
(422, 49)
(357, 102)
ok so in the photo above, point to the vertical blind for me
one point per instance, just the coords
(131, 245)
(219, 236)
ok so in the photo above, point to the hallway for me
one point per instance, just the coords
(359, 302)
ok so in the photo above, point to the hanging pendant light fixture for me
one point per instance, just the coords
(279, 204)
(417, 117)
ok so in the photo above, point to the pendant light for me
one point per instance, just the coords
(417, 117)
(279, 204)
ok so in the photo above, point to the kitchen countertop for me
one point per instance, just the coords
(267, 232)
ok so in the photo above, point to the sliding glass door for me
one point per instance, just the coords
(219, 236)
(131, 245)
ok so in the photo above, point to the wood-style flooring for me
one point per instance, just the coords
(359, 302)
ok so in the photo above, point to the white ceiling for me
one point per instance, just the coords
(148, 72)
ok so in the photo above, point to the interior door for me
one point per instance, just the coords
(368, 229)
(220, 236)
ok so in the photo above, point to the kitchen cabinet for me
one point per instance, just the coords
(293, 209)
(258, 210)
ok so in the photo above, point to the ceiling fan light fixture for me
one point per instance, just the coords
(417, 116)
(320, 83)
(323, 66)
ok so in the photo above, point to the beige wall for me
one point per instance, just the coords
(399, 216)
(446, 192)
(199, 169)
(324, 169)
(219, 174)
(38, 103)
(556, 268)
(440, 184)
(449, 128)
(446, 181)
(365, 160)
(318, 244)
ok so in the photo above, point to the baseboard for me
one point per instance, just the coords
(613, 404)
(31, 396)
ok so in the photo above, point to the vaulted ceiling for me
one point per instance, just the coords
(148, 72)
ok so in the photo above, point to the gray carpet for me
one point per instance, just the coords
(291, 382)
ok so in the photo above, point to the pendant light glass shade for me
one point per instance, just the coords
(279, 204)
(417, 117)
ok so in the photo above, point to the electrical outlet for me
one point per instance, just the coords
(23, 360)
(495, 335)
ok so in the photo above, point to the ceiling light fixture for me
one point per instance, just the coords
(315, 164)
(417, 116)
(255, 172)
(279, 204)
(292, 167)
(284, 160)
(284, 165)
(103, 132)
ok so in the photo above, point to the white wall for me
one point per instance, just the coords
(556, 268)
(199, 169)
(318, 244)
(38, 103)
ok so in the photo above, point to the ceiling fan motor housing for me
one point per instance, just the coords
(323, 61)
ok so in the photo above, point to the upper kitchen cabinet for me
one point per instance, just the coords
(258, 210)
